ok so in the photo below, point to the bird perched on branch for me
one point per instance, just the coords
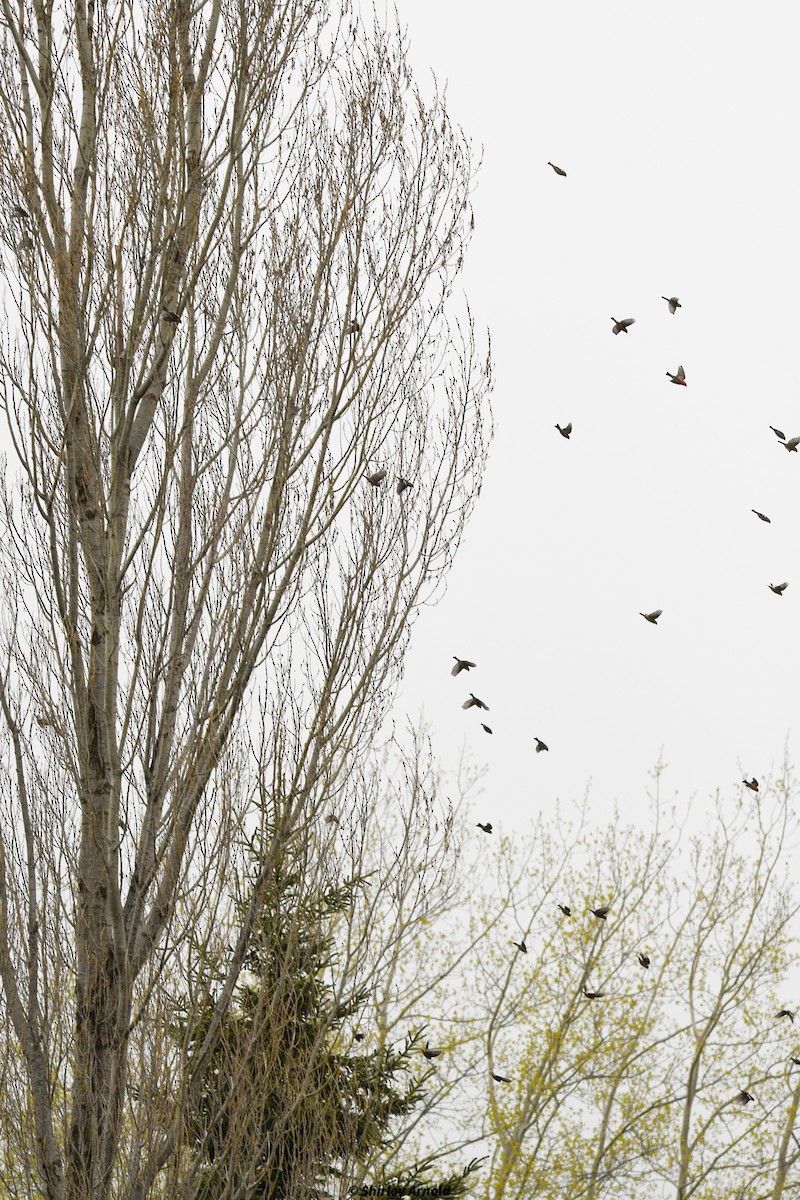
(652, 617)
(566, 910)
(593, 995)
(785, 1012)
(679, 377)
(600, 913)
(474, 702)
(462, 664)
(673, 302)
(796, 1061)
(751, 783)
(557, 170)
(644, 961)
(376, 478)
(623, 325)
(352, 328)
(487, 828)
(523, 949)
(430, 1053)
(778, 588)
(403, 485)
(566, 431)
(540, 745)
(500, 1078)
(761, 516)
(172, 318)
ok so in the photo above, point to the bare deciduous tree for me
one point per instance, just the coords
(230, 238)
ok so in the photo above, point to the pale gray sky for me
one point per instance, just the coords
(677, 125)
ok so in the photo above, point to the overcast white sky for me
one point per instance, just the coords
(678, 126)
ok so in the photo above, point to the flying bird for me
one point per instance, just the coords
(785, 1012)
(376, 478)
(474, 702)
(403, 484)
(761, 516)
(679, 378)
(644, 961)
(352, 328)
(500, 1078)
(557, 170)
(600, 913)
(751, 783)
(673, 302)
(778, 588)
(523, 949)
(566, 431)
(792, 444)
(593, 995)
(622, 326)
(652, 617)
(796, 1061)
(485, 728)
(744, 1098)
(487, 828)
(778, 433)
(566, 910)
(462, 664)
(540, 745)
(430, 1053)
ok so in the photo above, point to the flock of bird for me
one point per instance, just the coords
(744, 1097)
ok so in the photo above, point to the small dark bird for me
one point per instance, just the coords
(462, 664)
(751, 783)
(644, 961)
(557, 170)
(673, 302)
(352, 328)
(430, 1053)
(566, 910)
(792, 444)
(796, 1061)
(761, 516)
(622, 326)
(18, 213)
(172, 318)
(523, 949)
(785, 1012)
(600, 913)
(474, 702)
(376, 478)
(744, 1098)
(593, 995)
(566, 431)
(487, 828)
(652, 617)
(778, 588)
(332, 819)
(540, 745)
(679, 377)
(485, 728)
(778, 433)
(500, 1078)
(403, 485)
(359, 1037)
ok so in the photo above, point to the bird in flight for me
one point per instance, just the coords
(474, 702)
(652, 617)
(673, 302)
(487, 828)
(744, 1098)
(403, 485)
(778, 433)
(566, 910)
(593, 995)
(778, 588)
(501, 1078)
(679, 377)
(462, 664)
(430, 1053)
(485, 728)
(557, 170)
(540, 745)
(785, 1012)
(761, 516)
(644, 961)
(622, 326)
(600, 913)
(751, 783)
(792, 444)
(796, 1061)
(566, 431)
(523, 949)
(376, 478)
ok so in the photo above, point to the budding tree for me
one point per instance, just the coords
(230, 236)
